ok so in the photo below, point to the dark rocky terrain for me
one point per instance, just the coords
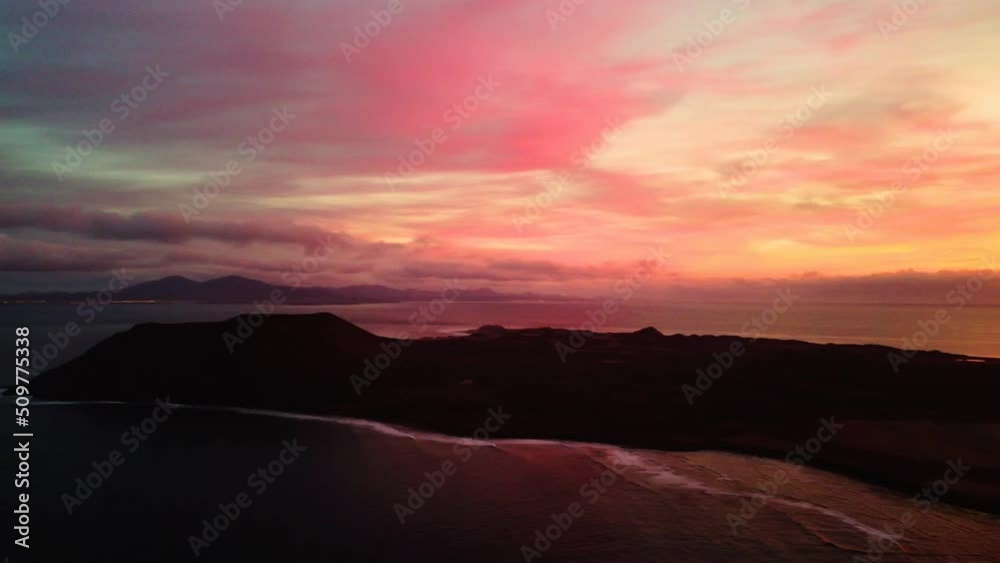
(901, 429)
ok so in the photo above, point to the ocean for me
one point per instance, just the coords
(133, 482)
(236, 485)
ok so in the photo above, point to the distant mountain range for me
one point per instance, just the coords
(237, 289)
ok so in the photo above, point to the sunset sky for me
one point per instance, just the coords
(831, 103)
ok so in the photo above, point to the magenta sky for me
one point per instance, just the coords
(748, 156)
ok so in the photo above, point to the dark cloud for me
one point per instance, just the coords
(161, 227)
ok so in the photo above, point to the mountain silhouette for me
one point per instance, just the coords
(238, 289)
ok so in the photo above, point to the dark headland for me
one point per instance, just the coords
(900, 429)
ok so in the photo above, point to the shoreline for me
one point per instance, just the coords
(638, 390)
(849, 468)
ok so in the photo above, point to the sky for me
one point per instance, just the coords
(515, 144)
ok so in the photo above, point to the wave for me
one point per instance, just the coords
(653, 470)
(385, 429)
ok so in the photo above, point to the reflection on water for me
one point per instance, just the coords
(337, 501)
